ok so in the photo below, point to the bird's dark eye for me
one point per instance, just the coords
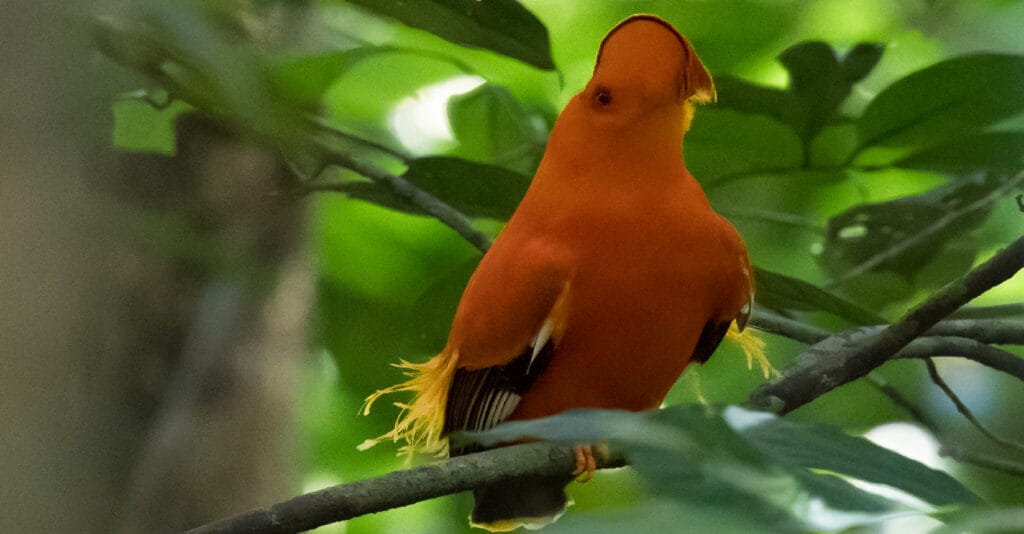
(603, 97)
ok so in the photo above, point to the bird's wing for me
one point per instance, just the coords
(510, 319)
(738, 303)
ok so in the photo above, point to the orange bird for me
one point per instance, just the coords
(611, 277)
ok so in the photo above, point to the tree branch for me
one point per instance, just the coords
(430, 204)
(402, 488)
(324, 125)
(947, 450)
(770, 321)
(966, 338)
(833, 362)
(933, 373)
(998, 359)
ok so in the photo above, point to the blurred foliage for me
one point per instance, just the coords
(866, 147)
(748, 464)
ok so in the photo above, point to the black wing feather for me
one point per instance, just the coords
(710, 337)
(479, 399)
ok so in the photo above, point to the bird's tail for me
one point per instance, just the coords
(420, 423)
(529, 502)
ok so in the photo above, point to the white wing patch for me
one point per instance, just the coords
(748, 306)
(540, 340)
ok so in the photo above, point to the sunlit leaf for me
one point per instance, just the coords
(948, 100)
(996, 151)
(492, 126)
(304, 78)
(503, 26)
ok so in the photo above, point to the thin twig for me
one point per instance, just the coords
(897, 398)
(822, 369)
(970, 349)
(770, 321)
(324, 125)
(933, 373)
(430, 204)
(997, 331)
(953, 452)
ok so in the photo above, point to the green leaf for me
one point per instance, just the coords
(820, 81)
(747, 97)
(502, 26)
(987, 520)
(996, 151)
(687, 453)
(435, 307)
(586, 425)
(204, 64)
(948, 100)
(840, 494)
(475, 189)
(861, 60)
(816, 85)
(828, 448)
(910, 231)
(141, 127)
(377, 194)
(304, 78)
(725, 143)
(492, 126)
(781, 292)
(739, 461)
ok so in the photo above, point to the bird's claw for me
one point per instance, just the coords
(586, 464)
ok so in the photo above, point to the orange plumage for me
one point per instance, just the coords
(611, 277)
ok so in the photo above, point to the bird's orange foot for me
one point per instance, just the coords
(586, 464)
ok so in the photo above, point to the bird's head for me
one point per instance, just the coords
(645, 80)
